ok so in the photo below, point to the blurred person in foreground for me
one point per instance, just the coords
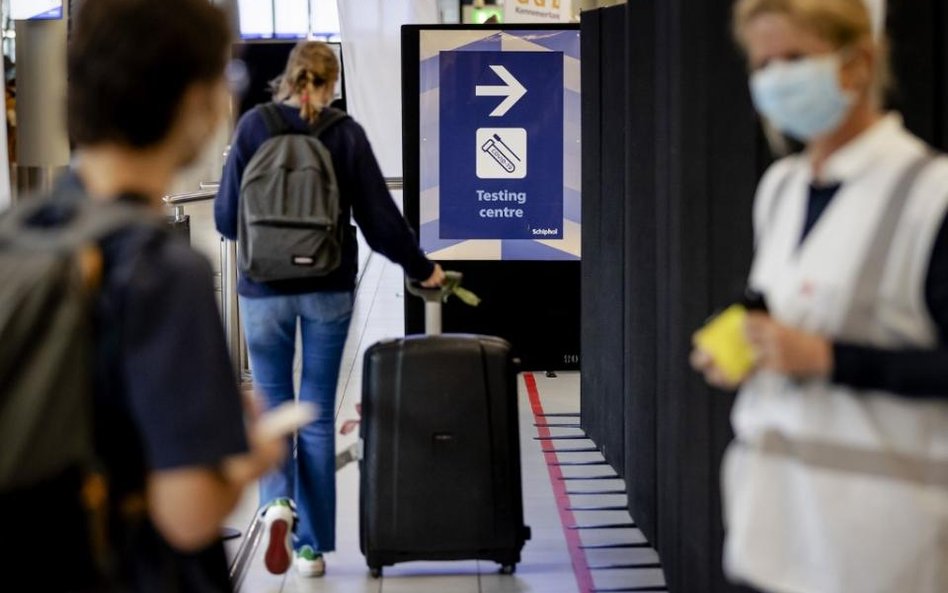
(837, 480)
(146, 91)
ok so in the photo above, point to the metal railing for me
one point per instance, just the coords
(178, 201)
(230, 315)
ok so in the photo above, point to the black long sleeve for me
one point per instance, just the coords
(384, 227)
(921, 374)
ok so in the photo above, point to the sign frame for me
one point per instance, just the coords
(533, 304)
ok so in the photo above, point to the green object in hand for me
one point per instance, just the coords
(452, 285)
(467, 297)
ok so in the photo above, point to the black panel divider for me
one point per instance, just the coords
(604, 203)
(678, 110)
(920, 64)
(633, 566)
(631, 590)
(558, 425)
(641, 269)
(594, 509)
(591, 301)
(610, 285)
(603, 526)
(631, 546)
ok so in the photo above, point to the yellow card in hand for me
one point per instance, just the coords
(723, 339)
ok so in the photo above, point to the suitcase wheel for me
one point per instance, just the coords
(508, 569)
(375, 572)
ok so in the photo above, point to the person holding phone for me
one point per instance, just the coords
(837, 479)
(146, 90)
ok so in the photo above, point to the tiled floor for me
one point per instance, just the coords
(547, 566)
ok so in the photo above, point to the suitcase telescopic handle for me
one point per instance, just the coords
(434, 298)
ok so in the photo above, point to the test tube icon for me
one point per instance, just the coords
(501, 153)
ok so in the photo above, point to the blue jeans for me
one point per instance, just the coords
(309, 476)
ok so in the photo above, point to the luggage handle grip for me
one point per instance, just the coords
(437, 293)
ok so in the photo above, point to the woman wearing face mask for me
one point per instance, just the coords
(837, 480)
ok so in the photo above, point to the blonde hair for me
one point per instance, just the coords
(311, 65)
(842, 23)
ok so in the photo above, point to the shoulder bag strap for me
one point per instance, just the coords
(327, 119)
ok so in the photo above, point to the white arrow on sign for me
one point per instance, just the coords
(513, 90)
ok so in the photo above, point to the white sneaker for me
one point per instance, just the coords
(309, 563)
(278, 522)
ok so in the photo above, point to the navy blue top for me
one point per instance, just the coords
(166, 399)
(912, 373)
(166, 396)
(820, 198)
(363, 196)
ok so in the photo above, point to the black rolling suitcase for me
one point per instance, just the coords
(440, 475)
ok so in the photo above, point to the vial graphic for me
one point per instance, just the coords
(501, 153)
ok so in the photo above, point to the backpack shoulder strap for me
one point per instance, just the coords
(67, 219)
(276, 123)
(327, 119)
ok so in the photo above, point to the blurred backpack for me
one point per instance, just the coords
(288, 222)
(51, 268)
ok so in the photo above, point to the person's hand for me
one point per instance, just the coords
(436, 279)
(787, 351)
(253, 409)
(349, 426)
(702, 362)
(266, 452)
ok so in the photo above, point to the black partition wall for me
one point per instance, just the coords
(666, 104)
(603, 288)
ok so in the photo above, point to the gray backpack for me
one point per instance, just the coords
(289, 223)
(47, 345)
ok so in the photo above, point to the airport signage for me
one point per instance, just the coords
(537, 11)
(501, 135)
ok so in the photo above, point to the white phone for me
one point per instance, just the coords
(286, 419)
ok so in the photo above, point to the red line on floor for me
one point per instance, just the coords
(580, 566)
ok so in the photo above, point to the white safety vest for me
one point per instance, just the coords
(828, 490)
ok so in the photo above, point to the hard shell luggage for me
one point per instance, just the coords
(440, 475)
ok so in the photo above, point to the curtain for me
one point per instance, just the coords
(371, 55)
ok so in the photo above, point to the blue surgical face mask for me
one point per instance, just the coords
(802, 98)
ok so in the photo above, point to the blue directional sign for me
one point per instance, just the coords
(501, 158)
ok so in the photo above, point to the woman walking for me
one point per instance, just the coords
(321, 306)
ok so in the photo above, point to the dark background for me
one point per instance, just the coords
(265, 60)
(673, 155)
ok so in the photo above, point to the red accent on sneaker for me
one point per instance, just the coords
(278, 559)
